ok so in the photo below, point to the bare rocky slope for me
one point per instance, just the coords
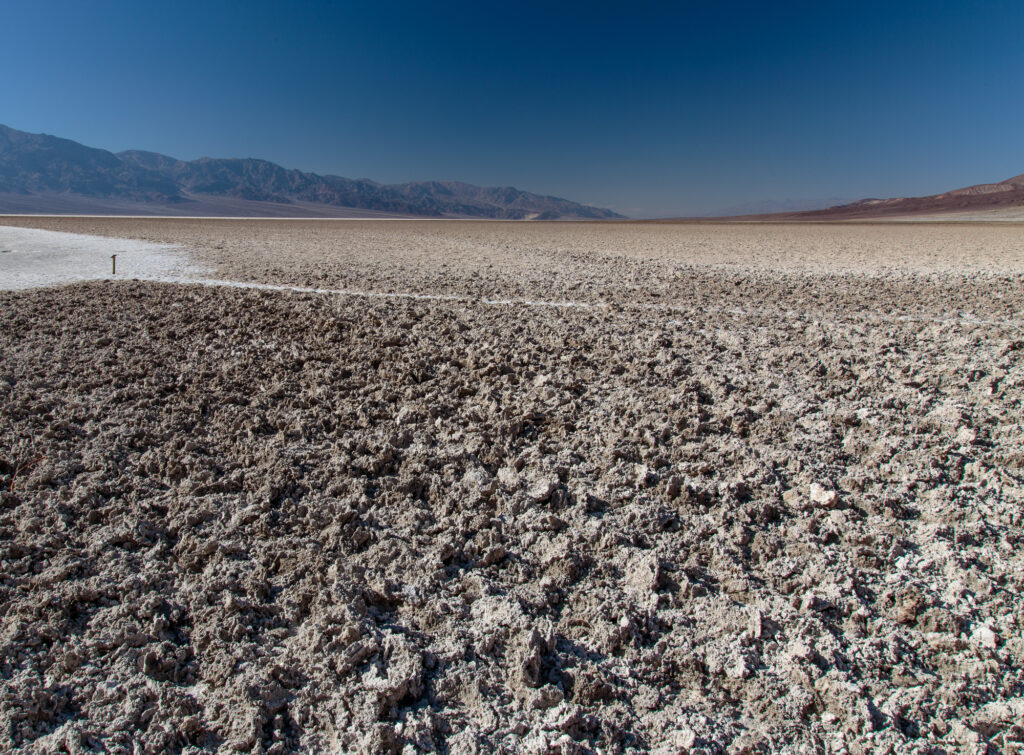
(760, 508)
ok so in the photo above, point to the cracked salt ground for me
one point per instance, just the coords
(46, 258)
(276, 521)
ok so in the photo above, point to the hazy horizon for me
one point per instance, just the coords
(653, 113)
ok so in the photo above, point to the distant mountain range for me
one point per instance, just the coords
(775, 206)
(1005, 195)
(46, 174)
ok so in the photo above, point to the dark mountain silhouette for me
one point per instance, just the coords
(42, 173)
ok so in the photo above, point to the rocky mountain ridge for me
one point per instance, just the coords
(65, 174)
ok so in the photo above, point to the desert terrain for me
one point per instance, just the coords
(462, 487)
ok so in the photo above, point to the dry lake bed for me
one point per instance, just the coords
(455, 487)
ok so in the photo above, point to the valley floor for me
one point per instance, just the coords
(607, 488)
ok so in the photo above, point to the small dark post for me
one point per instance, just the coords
(113, 264)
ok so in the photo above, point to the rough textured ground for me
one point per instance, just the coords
(737, 502)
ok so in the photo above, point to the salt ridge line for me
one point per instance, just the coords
(559, 304)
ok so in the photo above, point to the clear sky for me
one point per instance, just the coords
(651, 108)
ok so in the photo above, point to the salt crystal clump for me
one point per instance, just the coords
(823, 496)
(984, 636)
(540, 490)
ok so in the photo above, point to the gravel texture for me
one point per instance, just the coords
(760, 492)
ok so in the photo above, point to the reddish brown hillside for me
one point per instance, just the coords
(994, 196)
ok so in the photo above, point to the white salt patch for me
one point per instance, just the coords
(32, 258)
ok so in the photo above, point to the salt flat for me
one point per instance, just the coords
(759, 488)
(31, 258)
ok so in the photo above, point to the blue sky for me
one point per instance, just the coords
(654, 109)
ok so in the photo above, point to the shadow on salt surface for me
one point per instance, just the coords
(32, 258)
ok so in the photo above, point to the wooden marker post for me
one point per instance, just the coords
(113, 264)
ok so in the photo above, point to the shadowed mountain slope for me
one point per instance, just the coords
(39, 173)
